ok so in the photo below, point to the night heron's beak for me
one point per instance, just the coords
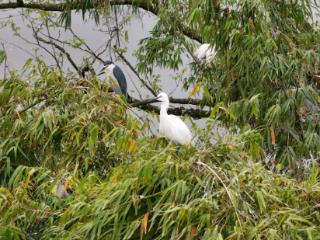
(101, 72)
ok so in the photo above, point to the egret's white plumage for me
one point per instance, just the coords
(172, 126)
(205, 53)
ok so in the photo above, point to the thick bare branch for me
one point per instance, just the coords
(192, 112)
(191, 101)
(34, 5)
(60, 7)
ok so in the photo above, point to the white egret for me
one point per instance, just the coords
(171, 126)
(205, 53)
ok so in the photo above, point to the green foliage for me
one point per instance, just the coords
(61, 132)
(167, 196)
(53, 122)
(263, 74)
(2, 56)
(129, 186)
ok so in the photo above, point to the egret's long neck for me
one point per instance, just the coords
(163, 109)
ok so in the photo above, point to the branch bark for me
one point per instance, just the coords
(143, 4)
(179, 111)
(135, 72)
(195, 113)
(147, 5)
(196, 102)
(74, 65)
(34, 5)
(60, 7)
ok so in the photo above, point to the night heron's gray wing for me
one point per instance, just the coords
(118, 74)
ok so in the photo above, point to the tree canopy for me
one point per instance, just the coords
(75, 164)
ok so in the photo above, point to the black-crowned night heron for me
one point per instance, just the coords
(115, 73)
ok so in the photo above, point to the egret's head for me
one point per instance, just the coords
(163, 98)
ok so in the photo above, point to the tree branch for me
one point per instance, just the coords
(144, 83)
(63, 51)
(196, 102)
(147, 5)
(60, 7)
(192, 112)
(191, 101)
(34, 5)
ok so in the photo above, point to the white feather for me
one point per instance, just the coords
(172, 126)
(205, 53)
(109, 71)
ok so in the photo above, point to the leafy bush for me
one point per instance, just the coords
(130, 186)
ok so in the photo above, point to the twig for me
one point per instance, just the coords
(172, 100)
(74, 65)
(225, 187)
(116, 29)
(135, 72)
(17, 46)
(5, 65)
(134, 85)
(53, 49)
(32, 105)
(88, 50)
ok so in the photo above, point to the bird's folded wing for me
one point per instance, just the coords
(179, 131)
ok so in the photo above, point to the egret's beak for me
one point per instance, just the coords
(151, 100)
(101, 72)
(144, 102)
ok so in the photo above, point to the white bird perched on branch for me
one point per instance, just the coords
(205, 53)
(171, 126)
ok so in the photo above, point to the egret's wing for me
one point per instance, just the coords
(200, 53)
(122, 81)
(205, 53)
(178, 130)
(210, 54)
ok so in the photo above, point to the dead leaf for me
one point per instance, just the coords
(288, 39)
(273, 136)
(132, 146)
(194, 90)
(193, 231)
(145, 223)
(67, 183)
(251, 23)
